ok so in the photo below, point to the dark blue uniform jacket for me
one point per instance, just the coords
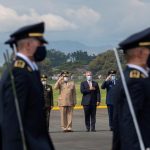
(108, 85)
(31, 101)
(124, 136)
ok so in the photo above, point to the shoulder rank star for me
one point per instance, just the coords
(19, 64)
(134, 74)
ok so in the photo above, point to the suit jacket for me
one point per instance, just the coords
(48, 95)
(30, 96)
(67, 93)
(108, 85)
(90, 97)
(124, 135)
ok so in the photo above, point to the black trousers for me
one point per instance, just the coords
(110, 115)
(90, 116)
(48, 118)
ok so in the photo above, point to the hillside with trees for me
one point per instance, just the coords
(78, 62)
(57, 61)
(104, 62)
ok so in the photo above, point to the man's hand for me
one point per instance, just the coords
(60, 78)
(108, 78)
(92, 88)
(98, 103)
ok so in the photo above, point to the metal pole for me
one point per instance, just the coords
(7, 60)
(129, 101)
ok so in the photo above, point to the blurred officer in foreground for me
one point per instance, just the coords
(90, 99)
(137, 53)
(0, 116)
(48, 96)
(108, 84)
(29, 42)
(66, 100)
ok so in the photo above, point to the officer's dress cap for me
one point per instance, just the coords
(30, 31)
(65, 73)
(140, 39)
(111, 72)
(43, 77)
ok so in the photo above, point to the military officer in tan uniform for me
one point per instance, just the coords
(66, 100)
(48, 96)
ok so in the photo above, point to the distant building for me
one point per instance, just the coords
(55, 77)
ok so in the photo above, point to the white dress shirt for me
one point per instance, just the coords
(90, 83)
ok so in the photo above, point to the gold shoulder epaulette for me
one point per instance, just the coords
(134, 74)
(19, 64)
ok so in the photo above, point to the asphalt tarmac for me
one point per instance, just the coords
(80, 139)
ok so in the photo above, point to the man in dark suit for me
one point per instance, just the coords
(108, 84)
(48, 96)
(136, 49)
(29, 42)
(90, 99)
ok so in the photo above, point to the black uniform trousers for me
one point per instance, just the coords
(48, 117)
(110, 114)
(90, 116)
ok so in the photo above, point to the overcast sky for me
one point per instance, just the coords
(91, 22)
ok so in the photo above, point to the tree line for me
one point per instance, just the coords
(57, 61)
(78, 62)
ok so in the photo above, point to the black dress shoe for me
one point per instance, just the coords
(93, 130)
(70, 130)
(87, 130)
(111, 129)
(65, 131)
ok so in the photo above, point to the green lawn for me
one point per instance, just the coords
(79, 95)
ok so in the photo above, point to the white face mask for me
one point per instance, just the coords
(113, 77)
(44, 82)
(66, 79)
(89, 78)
